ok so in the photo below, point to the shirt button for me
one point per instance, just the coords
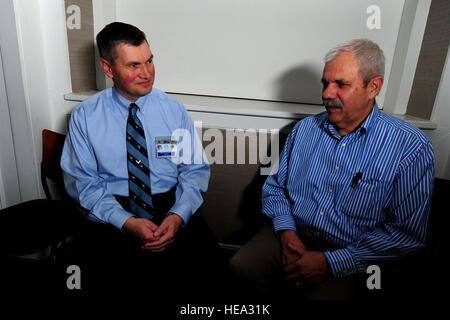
(337, 167)
(343, 145)
(330, 190)
(322, 213)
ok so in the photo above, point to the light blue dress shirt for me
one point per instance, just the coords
(381, 216)
(94, 159)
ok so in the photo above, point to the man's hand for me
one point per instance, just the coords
(165, 233)
(142, 229)
(288, 255)
(312, 266)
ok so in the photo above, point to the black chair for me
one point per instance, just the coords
(418, 276)
(437, 242)
(34, 234)
(38, 225)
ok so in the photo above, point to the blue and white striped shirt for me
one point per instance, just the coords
(382, 216)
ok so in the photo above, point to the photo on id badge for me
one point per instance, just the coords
(166, 147)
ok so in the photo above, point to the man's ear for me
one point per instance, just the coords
(374, 86)
(106, 66)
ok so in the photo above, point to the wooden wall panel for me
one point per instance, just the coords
(431, 60)
(81, 47)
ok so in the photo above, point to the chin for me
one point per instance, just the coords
(145, 91)
(333, 117)
(335, 114)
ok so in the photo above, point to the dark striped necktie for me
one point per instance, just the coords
(138, 167)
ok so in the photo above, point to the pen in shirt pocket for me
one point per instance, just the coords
(356, 178)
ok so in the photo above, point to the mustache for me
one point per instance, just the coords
(332, 104)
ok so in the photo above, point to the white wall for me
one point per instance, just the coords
(19, 165)
(45, 69)
(46, 61)
(265, 49)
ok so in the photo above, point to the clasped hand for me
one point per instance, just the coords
(154, 238)
(302, 265)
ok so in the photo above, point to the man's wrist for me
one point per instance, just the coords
(127, 224)
(177, 218)
(283, 234)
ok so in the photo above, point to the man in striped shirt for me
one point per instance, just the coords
(353, 187)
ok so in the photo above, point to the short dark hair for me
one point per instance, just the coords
(115, 33)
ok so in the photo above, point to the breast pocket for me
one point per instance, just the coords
(166, 166)
(364, 202)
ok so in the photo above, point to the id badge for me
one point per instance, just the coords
(166, 147)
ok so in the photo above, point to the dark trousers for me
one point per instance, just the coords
(113, 262)
(258, 265)
(33, 237)
(29, 227)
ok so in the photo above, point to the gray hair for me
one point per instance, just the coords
(368, 54)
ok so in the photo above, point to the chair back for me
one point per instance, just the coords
(52, 146)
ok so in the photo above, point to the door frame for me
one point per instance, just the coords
(19, 183)
(9, 180)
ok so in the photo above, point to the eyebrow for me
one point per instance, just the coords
(323, 80)
(136, 62)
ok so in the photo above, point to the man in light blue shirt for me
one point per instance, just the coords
(353, 187)
(94, 159)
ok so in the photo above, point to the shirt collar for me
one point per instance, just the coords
(370, 120)
(123, 103)
(363, 128)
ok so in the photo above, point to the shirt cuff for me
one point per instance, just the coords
(342, 262)
(182, 210)
(118, 218)
(284, 222)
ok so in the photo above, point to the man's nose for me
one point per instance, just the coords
(329, 92)
(145, 71)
